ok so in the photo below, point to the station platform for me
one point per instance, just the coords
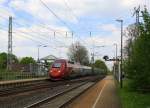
(21, 81)
(102, 95)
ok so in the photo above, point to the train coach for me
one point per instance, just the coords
(64, 69)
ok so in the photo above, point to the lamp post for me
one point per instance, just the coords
(116, 46)
(93, 54)
(121, 22)
(116, 66)
(38, 60)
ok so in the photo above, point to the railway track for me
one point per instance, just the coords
(61, 99)
(23, 88)
(33, 86)
(41, 93)
(58, 101)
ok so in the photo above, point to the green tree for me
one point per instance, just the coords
(3, 60)
(100, 64)
(137, 68)
(27, 60)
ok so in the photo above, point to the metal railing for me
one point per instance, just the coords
(24, 72)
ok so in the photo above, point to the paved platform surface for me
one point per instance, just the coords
(102, 95)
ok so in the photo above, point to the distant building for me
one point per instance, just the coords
(49, 58)
(44, 64)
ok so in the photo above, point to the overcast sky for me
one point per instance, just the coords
(34, 24)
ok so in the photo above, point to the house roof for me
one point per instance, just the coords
(49, 57)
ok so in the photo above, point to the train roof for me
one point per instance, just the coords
(71, 62)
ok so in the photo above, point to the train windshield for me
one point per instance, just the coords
(56, 65)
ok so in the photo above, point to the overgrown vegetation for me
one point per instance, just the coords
(137, 64)
(133, 99)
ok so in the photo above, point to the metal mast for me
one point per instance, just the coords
(9, 55)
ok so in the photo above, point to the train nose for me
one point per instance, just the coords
(55, 73)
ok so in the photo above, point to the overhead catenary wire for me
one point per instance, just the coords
(48, 28)
(28, 35)
(33, 40)
(3, 17)
(38, 37)
(32, 36)
(79, 38)
(37, 33)
(71, 10)
(43, 26)
(74, 35)
(3, 30)
(61, 32)
(52, 12)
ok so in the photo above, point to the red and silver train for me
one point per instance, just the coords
(63, 69)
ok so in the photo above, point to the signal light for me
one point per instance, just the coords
(105, 57)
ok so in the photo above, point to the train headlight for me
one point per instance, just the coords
(59, 71)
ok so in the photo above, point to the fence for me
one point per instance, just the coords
(24, 72)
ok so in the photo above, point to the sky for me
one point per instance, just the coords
(57, 24)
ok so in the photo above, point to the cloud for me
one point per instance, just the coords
(78, 7)
(39, 24)
(108, 27)
(3, 40)
(37, 9)
(5, 13)
(2, 1)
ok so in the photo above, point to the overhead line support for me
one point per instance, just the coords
(9, 54)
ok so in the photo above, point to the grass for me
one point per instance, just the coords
(133, 99)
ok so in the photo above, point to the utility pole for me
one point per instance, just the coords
(92, 48)
(54, 34)
(92, 54)
(137, 15)
(9, 55)
(72, 38)
(116, 47)
(121, 82)
(121, 67)
(116, 62)
(92, 59)
(38, 59)
(66, 34)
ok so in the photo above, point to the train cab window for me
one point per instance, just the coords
(56, 65)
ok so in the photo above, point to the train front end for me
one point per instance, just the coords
(57, 70)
